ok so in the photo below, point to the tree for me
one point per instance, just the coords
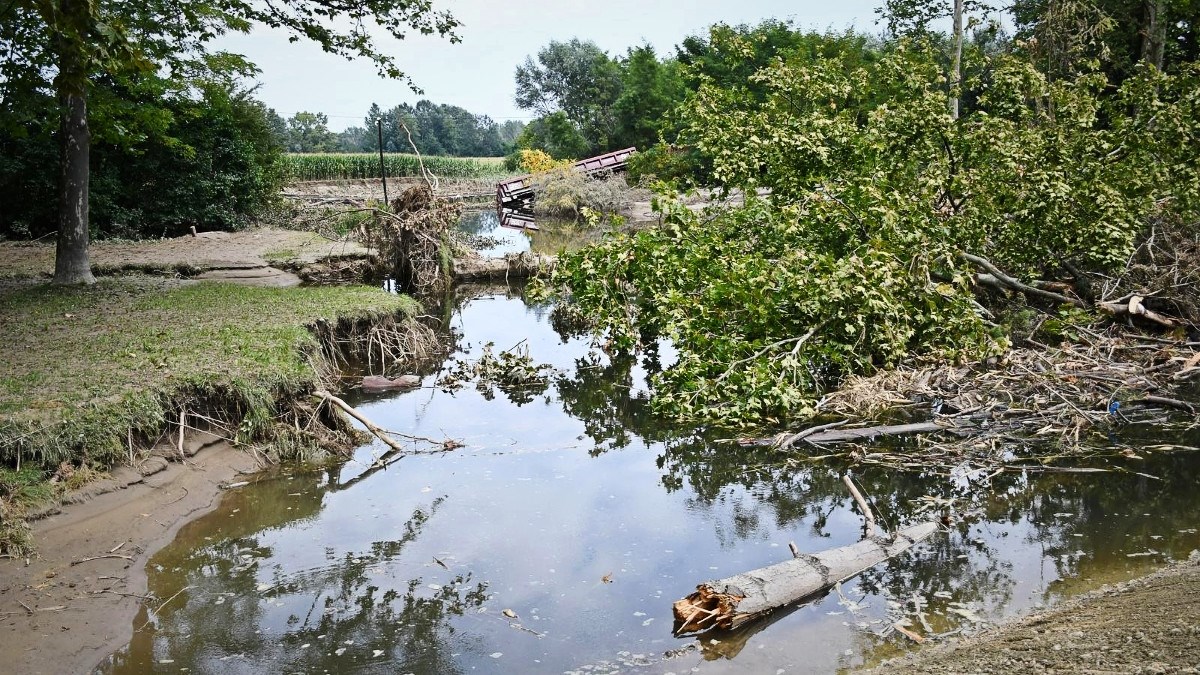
(1117, 33)
(309, 132)
(577, 79)
(83, 40)
(651, 89)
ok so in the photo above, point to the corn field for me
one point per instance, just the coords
(337, 166)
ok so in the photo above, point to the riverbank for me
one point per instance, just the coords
(72, 604)
(107, 375)
(1147, 625)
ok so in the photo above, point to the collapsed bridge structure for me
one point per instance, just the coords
(514, 197)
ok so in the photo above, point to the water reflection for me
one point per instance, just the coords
(552, 236)
(585, 516)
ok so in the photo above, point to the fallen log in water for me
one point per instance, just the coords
(731, 602)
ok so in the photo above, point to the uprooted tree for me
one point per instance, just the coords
(889, 224)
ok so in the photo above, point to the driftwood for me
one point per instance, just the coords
(1134, 307)
(375, 429)
(829, 433)
(995, 277)
(731, 602)
(377, 383)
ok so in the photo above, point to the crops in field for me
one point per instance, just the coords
(339, 166)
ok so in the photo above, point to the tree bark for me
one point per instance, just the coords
(71, 264)
(1154, 34)
(956, 65)
(733, 601)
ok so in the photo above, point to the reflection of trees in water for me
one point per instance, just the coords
(479, 222)
(352, 603)
(971, 567)
(600, 395)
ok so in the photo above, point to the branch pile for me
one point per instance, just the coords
(1051, 396)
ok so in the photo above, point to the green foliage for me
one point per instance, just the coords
(578, 80)
(339, 166)
(161, 161)
(556, 135)
(650, 91)
(309, 132)
(853, 261)
(435, 129)
(666, 163)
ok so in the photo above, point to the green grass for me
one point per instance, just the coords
(86, 367)
(340, 166)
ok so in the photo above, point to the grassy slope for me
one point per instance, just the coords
(84, 366)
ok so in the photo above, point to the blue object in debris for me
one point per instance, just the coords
(1114, 408)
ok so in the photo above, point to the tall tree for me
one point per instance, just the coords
(652, 88)
(88, 39)
(309, 132)
(575, 78)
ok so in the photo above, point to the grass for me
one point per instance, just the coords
(340, 166)
(86, 368)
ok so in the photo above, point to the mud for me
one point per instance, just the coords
(1148, 625)
(245, 254)
(63, 613)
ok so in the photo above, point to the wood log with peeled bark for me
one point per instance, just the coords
(1134, 307)
(731, 602)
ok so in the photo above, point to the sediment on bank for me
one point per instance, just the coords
(115, 374)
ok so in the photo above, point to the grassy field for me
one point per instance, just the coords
(87, 367)
(341, 166)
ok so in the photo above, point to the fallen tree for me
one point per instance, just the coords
(731, 602)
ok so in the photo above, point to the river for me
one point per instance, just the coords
(557, 537)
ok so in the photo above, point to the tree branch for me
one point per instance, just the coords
(1014, 284)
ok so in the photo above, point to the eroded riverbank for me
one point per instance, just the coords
(576, 511)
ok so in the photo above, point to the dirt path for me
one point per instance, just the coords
(64, 612)
(1148, 625)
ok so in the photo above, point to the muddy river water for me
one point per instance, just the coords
(557, 538)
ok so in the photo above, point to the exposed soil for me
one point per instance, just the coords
(232, 256)
(1148, 625)
(62, 612)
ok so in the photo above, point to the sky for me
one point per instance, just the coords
(497, 36)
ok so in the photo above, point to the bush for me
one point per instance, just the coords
(210, 161)
(666, 163)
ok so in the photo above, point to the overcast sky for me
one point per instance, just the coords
(477, 74)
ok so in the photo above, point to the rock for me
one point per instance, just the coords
(380, 383)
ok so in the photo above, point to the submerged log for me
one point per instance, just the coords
(731, 602)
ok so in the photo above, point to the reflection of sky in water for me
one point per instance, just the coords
(551, 496)
(487, 224)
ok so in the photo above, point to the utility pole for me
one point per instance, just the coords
(382, 166)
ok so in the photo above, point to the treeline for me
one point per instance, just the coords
(436, 129)
(588, 102)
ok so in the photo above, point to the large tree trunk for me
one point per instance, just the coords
(731, 602)
(71, 265)
(1154, 34)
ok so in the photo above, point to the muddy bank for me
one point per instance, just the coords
(1148, 625)
(73, 604)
